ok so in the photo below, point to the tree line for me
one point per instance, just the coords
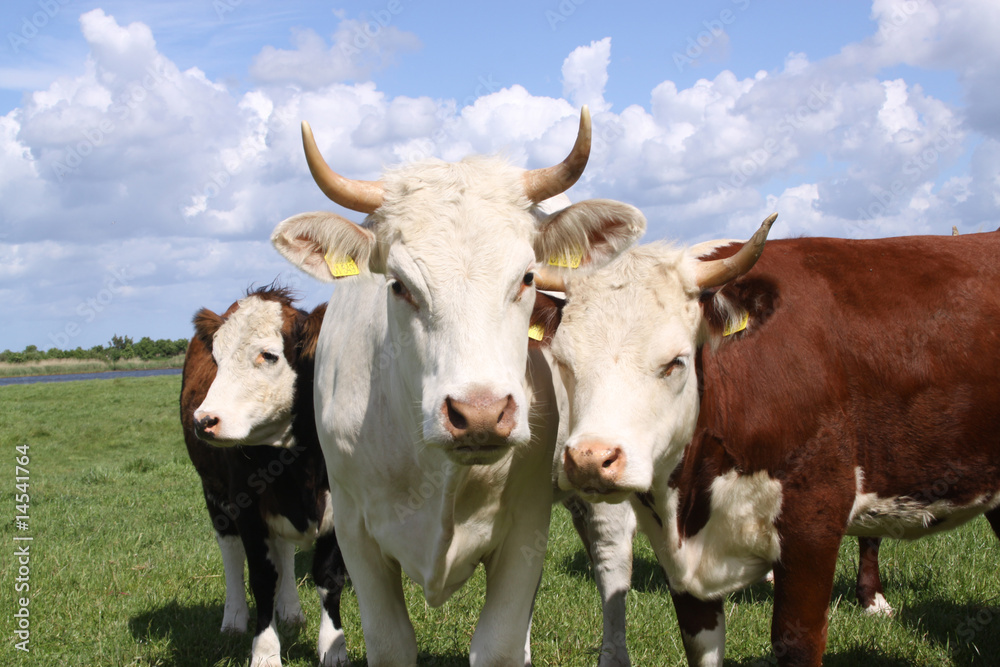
(119, 347)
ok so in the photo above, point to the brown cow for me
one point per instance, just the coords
(856, 393)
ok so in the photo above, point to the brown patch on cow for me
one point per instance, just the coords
(206, 324)
(309, 335)
(704, 460)
(646, 498)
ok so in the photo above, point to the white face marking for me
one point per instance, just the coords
(254, 386)
(626, 351)
(458, 314)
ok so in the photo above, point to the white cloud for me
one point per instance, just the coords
(358, 49)
(134, 162)
(585, 74)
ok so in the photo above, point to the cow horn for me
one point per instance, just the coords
(540, 184)
(716, 272)
(549, 281)
(362, 196)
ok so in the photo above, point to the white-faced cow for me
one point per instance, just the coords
(856, 393)
(247, 390)
(436, 420)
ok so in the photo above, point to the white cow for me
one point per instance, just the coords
(434, 417)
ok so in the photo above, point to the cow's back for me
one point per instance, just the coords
(876, 356)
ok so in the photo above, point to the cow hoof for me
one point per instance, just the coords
(266, 651)
(332, 647)
(265, 661)
(879, 606)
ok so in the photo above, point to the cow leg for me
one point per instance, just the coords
(330, 574)
(286, 601)
(703, 629)
(607, 532)
(869, 590)
(377, 580)
(236, 613)
(803, 584)
(262, 566)
(512, 575)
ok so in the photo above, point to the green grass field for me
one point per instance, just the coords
(124, 568)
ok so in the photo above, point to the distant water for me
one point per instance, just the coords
(104, 375)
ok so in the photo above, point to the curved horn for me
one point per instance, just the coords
(540, 184)
(362, 196)
(549, 281)
(716, 272)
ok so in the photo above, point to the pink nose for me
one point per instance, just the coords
(206, 426)
(594, 466)
(479, 414)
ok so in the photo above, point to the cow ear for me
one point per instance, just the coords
(310, 332)
(545, 319)
(588, 234)
(327, 246)
(206, 323)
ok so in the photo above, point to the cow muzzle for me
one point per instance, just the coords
(479, 423)
(207, 426)
(595, 468)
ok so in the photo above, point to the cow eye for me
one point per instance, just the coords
(401, 291)
(667, 369)
(267, 357)
(529, 279)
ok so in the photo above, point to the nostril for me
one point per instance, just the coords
(456, 418)
(610, 460)
(209, 422)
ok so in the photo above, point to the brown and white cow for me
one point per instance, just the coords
(247, 390)
(856, 393)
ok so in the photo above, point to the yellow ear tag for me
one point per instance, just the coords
(341, 268)
(536, 332)
(739, 326)
(567, 260)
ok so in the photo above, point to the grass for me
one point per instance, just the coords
(124, 568)
(66, 366)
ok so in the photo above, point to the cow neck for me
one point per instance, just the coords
(454, 480)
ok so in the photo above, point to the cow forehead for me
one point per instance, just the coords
(255, 322)
(644, 299)
(458, 202)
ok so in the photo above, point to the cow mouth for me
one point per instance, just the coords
(477, 452)
(604, 495)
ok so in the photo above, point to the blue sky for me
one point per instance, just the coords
(148, 149)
